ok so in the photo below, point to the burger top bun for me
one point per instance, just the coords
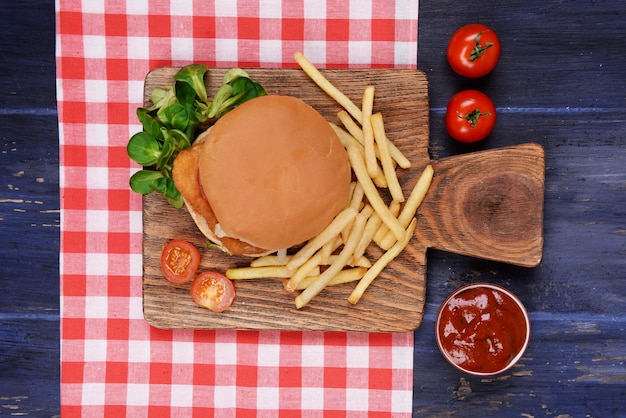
(274, 172)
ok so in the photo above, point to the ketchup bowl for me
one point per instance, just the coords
(482, 329)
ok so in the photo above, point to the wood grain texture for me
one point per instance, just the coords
(395, 300)
(486, 204)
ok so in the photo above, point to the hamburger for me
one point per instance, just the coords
(267, 176)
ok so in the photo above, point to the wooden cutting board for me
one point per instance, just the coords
(487, 204)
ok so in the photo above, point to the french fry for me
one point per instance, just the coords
(368, 133)
(398, 156)
(269, 260)
(350, 192)
(344, 276)
(356, 201)
(395, 153)
(378, 132)
(358, 166)
(304, 270)
(319, 79)
(394, 208)
(311, 266)
(354, 130)
(328, 249)
(357, 196)
(349, 203)
(348, 140)
(328, 259)
(330, 232)
(417, 195)
(413, 202)
(361, 261)
(274, 260)
(340, 262)
(371, 226)
(279, 272)
(350, 125)
(367, 212)
(381, 263)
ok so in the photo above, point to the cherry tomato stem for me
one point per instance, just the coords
(479, 49)
(474, 116)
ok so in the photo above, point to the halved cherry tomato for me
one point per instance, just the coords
(179, 261)
(474, 50)
(213, 290)
(470, 116)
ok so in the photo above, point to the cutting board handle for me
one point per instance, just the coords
(487, 204)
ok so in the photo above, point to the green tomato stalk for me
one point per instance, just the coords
(171, 124)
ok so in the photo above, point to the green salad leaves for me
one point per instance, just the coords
(171, 124)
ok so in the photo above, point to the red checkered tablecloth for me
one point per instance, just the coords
(113, 363)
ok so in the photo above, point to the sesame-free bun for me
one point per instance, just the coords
(273, 172)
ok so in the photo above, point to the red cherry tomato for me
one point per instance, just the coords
(179, 261)
(474, 50)
(470, 116)
(213, 291)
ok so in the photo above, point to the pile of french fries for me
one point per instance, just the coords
(337, 254)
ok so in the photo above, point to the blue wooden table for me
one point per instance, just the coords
(561, 82)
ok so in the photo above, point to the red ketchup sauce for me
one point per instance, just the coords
(482, 329)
